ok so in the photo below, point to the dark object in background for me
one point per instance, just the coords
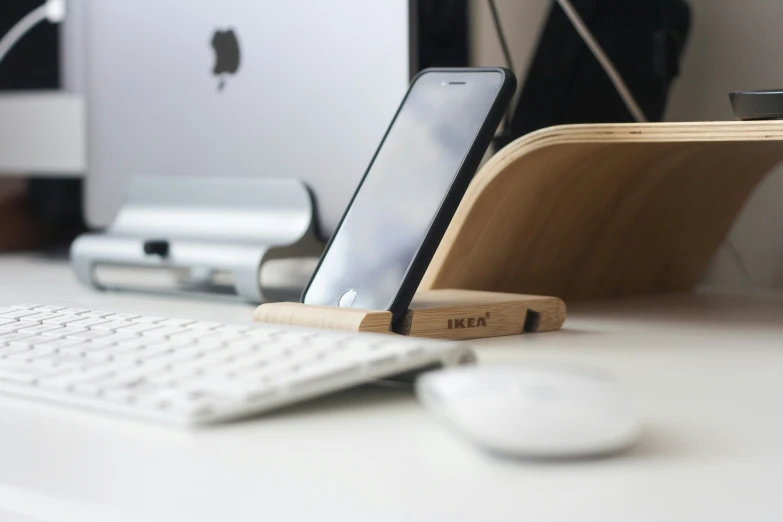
(58, 203)
(439, 34)
(33, 64)
(757, 105)
(565, 83)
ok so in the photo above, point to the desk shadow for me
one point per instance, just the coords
(654, 444)
(575, 331)
(699, 310)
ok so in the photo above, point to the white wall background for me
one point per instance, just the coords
(734, 45)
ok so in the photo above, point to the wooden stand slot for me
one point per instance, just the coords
(438, 314)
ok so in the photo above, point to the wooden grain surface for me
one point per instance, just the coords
(504, 314)
(437, 314)
(595, 211)
(327, 317)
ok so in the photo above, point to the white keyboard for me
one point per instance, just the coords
(192, 372)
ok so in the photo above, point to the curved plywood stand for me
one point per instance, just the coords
(593, 211)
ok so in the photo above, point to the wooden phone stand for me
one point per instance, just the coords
(437, 314)
(580, 212)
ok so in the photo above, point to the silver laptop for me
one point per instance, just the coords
(300, 88)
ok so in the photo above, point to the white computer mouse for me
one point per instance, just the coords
(533, 411)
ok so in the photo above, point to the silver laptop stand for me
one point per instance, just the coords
(205, 231)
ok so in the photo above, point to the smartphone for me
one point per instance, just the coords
(408, 195)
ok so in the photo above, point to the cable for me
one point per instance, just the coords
(606, 63)
(592, 44)
(501, 35)
(52, 10)
(506, 54)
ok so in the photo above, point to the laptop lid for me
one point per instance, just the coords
(301, 88)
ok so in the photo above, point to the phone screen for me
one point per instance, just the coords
(403, 189)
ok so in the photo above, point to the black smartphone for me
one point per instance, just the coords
(410, 192)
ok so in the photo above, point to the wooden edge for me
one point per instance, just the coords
(623, 133)
(327, 317)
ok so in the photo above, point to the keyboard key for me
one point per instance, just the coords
(40, 329)
(165, 331)
(87, 387)
(205, 325)
(57, 360)
(35, 340)
(25, 306)
(93, 383)
(122, 317)
(112, 338)
(11, 337)
(87, 334)
(71, 330)
(58, 344)
(39, 317)
(214, 336)
(87, 323)
(192, 335)
(63, 320)
(148, 319)
(8, 350)
(135, 344)
(18, 375)
(138, 328)
(18, 314)
(98, 355)
(233, 328)
(79, 349)
(49, 308)
(119, 395)
(70, 311)
(186, 369)
(176, 322)
(61, 382)
(11, 327)
(96, 314)
(260, 333)
(29, 354)
(177, 357)
(112, 325)
(19, 372)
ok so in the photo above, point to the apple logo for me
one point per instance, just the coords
(227, 56)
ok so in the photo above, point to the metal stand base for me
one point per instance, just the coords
(202, 228)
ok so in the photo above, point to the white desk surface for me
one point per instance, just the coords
(707, 372)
